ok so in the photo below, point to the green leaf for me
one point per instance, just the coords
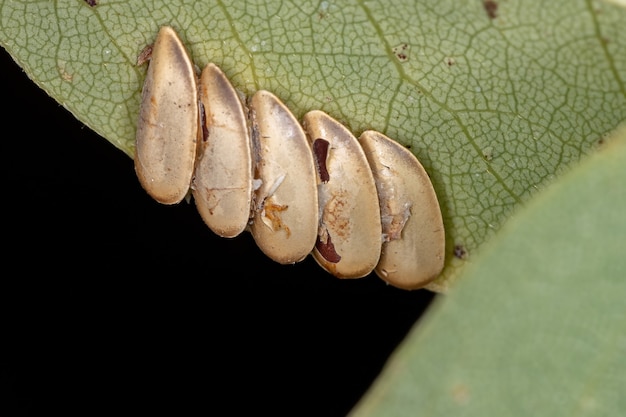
(495, 99)
(537, 325)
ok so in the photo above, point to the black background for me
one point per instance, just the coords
(114, 303)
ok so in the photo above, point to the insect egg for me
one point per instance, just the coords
(284, 223)
(357, 205)
(167, 129)
(349, 234)
(222, 183)
(414, 238)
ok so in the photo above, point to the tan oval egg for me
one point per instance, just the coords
(349, 240)
(222, 184)
(284, 225)
(414, 239)
(167, 129)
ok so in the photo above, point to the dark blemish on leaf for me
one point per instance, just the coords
(488, 153)
(92, 3)
(603, 140)
(401, 52)
(460, 251)
(323, 11)
(491, 7)
(320, 150)
(144, 56)
(327, 250)
(450, 61)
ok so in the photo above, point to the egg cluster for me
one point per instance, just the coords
(356, 205)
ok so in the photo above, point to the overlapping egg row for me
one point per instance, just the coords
(356, 205)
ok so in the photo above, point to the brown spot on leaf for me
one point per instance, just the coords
(491, 7)
(401, 52)
(460, 251)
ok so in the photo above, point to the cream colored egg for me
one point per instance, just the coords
(167, 129)
(349, 235)
(414, 239)
(285, 218)
(222, 183)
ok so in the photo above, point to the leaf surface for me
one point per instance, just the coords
(495, 99)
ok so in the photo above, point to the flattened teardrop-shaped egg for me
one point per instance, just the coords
(349, 235)
(222, 183)
(414, 239)
(285, 219)
(167, 129)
